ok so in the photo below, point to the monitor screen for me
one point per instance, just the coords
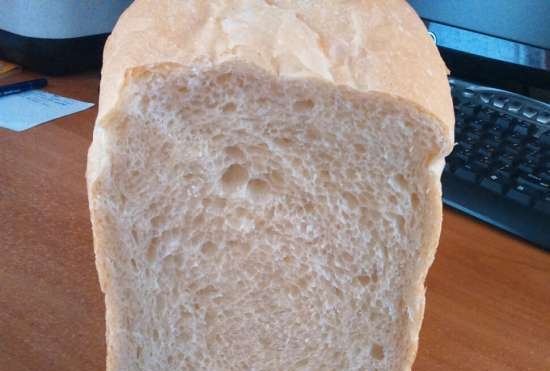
(522, 21)
(493, 41)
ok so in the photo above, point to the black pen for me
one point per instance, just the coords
(21, 87)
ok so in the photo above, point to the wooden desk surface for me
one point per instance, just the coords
(488, 304)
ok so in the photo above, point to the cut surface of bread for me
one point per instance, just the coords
(251, 220)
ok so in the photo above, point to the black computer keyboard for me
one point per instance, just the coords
(499, 171)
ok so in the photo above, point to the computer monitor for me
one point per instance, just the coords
(497, 42)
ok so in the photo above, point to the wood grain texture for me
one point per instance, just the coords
(488, 303)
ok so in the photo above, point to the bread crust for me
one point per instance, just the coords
(367, 45)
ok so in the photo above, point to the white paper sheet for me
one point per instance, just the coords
(26, 110)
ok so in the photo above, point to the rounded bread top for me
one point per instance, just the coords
(366, 45)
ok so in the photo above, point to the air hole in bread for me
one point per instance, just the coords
(157, 220)
(145, 100)
(160, 304)
(229, 108)
(415, 201)
(347, 257)
(283, 142)
(156, 335)
(206, 291)
(360, 148)
(401, 223)
(276, 179)
(312, 134)
(198, 221)
(235, 176)
(173, 261)
(178, 167)
(351, 200)
(301, 365)
(209, 318)
(399, 182)
(134, 264)
(185, 316)
(151, 253)
(377, 352)
(218, 138)
(209, 248)
(289, 259)
(363, 280)
(260, 149)
(224, 78)
(303, 105)
(259, 190)
(324, 175)
(234, 153)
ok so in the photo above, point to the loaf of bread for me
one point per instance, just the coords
(264, 184)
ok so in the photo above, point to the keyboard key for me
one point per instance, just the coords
(468, 94)
(487, 150)
(497, 138)
(543, 204)
(484, 115)
(494, 183)
(519, 195)
(527, 167)
(499, 102)
(545, 138)
(503, 123)
(468, 109)
(530, 112)
(453, 164)
(533, 147)
(463, 154)
(472, 136)
(544, 118)
(504, 171)
(514, 106)
(512, 148)
(496, 135)
(476, 131)
(534, 158)
(467, 144)
(485, 98)
(466, 173)
(515, 138)
(478, 124)
(533, 184)
(545, 175)
(459, 121)
(507, 158)
(524, 128)
(483, 164)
